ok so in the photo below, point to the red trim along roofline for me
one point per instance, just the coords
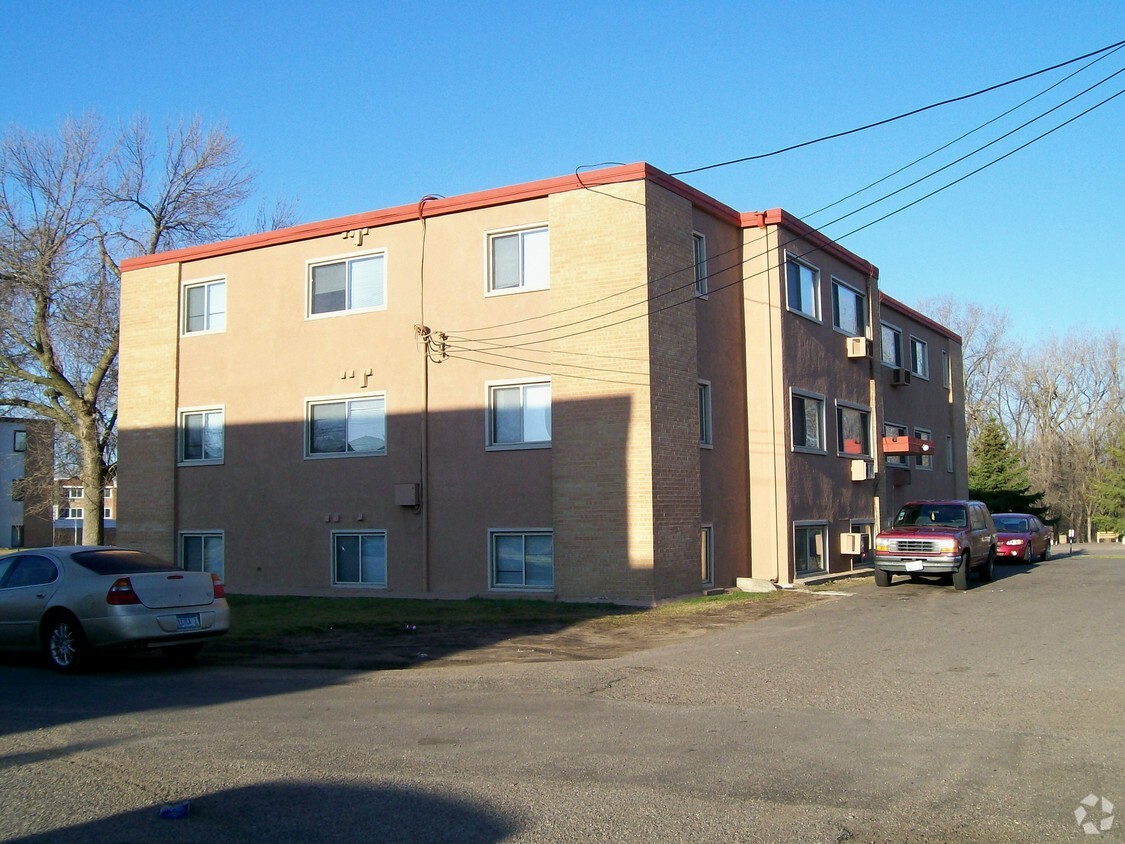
(502, 196)
(895, 305)
(781, 217)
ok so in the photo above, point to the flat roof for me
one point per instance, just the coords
(433, 207)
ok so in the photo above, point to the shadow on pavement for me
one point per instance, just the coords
(300, 811)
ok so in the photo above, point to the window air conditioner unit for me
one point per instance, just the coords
(858, 347)
(851, 543)
(862, 470)
(900, 377)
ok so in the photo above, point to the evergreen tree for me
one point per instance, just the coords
(997, 475)
(1110, 490)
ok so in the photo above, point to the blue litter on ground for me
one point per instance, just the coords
(172, 811)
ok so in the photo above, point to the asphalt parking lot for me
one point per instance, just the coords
(912, 713)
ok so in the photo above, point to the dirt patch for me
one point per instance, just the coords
(452, 644)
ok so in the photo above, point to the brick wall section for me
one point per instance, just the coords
(674, 395)
(147, 409)
(601, 429)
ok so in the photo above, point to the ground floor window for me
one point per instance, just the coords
(521, 559)
(202, 551)
(707, 554)
(359, 558)
(810, 539)
(866, 528)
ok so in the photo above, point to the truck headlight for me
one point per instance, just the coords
(947, 546)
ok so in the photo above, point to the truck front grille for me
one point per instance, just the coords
(914, 546)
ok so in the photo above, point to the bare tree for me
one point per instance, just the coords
(72, 206)
(986, 357)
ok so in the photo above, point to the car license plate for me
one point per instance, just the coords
(187, 622)
(913, 565)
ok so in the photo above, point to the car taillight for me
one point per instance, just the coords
(121, 593)
(217, 583)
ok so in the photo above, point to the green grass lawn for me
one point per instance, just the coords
(255, 615)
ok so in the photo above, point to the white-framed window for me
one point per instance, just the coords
(70, 513)
(72, 493)
(707, 555)
(346, 426)
(519, 260)
(949, 452)
(521, 559)
(891, 429)
(946, 370)
(201, 435)
(853, 430)
(19, 440)
(359, 558)
(802, 284)
(107, 512)
(205, 306)
(924, 461)
(892, 346)
(806, 420)
(703, 390)
(347, 284)
(920, 358)
(810, 547)
(849, 309)
(699, 244)
(107, 493)
(518, 415)
(202, 551)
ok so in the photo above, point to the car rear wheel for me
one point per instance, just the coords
(961, 576)
(882, 578)
(182, 653)
(65, 644)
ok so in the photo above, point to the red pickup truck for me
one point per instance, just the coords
(937, 537)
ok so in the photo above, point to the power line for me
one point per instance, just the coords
(652, 312)
(946, 146)
(1102, 54)
(902, 116)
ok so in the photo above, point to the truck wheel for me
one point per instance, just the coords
(961, 576)
(987, 571)
(882, 578)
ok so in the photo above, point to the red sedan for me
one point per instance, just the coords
(1021, 537)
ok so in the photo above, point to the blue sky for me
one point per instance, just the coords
(353, 107)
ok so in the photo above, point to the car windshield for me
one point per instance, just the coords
(120, 561)
(932, 515)
(1010, 524)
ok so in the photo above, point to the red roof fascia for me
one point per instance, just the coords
(397, 214)
(906, 310)
(501, 196)
(781, 217)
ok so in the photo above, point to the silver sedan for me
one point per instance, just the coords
(74, 600)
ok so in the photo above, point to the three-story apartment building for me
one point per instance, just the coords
(609, 386)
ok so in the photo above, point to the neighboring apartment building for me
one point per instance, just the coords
(26, 468)
(600, 387)
(70, 508)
